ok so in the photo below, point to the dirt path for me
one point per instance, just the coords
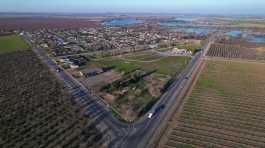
(151, 61)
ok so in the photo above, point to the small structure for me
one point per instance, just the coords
(92, 72)
(177, 51)
(73, 66)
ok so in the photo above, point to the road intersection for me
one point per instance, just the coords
(119, 133)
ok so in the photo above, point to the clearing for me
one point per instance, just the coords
(135, 81)
(12, 43)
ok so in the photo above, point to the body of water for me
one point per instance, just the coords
(179, 21)
(122, 22)
(257, 39)
(174, 23)
(186, 26)
(233, 33)
(203, 31)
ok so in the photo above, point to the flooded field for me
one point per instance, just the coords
(122, 22)
(233, 33)
(257, 39)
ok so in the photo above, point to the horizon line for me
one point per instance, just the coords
(130, 13)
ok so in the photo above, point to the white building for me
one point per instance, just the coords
(177, 51)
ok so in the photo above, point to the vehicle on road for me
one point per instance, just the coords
(58, 70)
(158, 109)
(150, 115)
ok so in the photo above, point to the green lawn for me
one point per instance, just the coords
(12, 43)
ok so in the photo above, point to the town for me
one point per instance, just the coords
(131, 80)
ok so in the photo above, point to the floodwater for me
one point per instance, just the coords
(122, 22)
(257, 39)
(234, 33)
(174, 23)
(182, 25)
(197, 30)
(179, 21)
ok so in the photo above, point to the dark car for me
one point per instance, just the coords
(159, 108)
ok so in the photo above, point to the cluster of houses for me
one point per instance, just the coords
(76, 41)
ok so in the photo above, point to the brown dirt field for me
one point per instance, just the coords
(154, 86)
(260, 49)
(100, 80)
(108, 97)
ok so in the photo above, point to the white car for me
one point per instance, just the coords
(58, 70)
(150, 115)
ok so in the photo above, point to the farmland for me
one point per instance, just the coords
(250, 24)
(224, 109)
(36, 111)
(137, 80)
(31, 23)
(232, 51)
(12, 43)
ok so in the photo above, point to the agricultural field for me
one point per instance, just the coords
(36, 111)
(250, 24)
(224, 109)
(27, 23)
(12, 43)
(232, 51)
(135, 82)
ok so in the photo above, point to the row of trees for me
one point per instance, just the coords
(35, 111)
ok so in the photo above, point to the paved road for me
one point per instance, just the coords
(148, 129)
(145, 132)
(123, 135)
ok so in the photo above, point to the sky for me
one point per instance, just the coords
(243, 7)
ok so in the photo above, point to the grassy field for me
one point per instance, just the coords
(12, 43)
(164, 65)
(225, 109)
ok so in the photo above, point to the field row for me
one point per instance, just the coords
(231, 51)
(222, 111)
